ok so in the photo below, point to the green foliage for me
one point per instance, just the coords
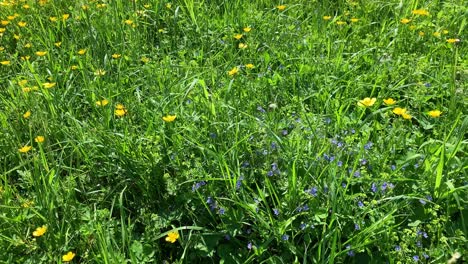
(274, 155)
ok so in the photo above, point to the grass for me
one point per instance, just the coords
(233, 132)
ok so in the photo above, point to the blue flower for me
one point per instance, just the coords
(285, 237)
(416, 258)
(259, 108)
(368, 145)
(221, 211)
(339, 163)
(356, 227)
(276, 211)
(374, 187)
(357, 174)
(360, 204)
(426, 256)
(302, 226)
(397, 248)
(393, 167)
(249, 245)
(312, 191)
(350, 252)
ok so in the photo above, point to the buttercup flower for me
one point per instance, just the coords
(436, 34)
(53, 19)
(168, 5)
(120, 110)
(169, 118)
(22, 24)
(102, 102)
(68, 257)
(25, 149)
(172, 237)
(249, 66)
(452, 40)
(434, 113)
(41, 53)
(40, 231)
(421, 33)
(58, 44)
(281, 7)
(247, 29)
(145, 60)
(27, 114)
(65, 16)
(354, 20)
(406, 116)
(242, 46)
(340, 23)
(326, 17)
(420, 12)
(116, 55)
(233, 71)
(367, 102)
(82, 51)
(39, 139)
(399, 111)
(389, 101)
(405, 20)
(100, 72)
(5, 62)
(48, 85)
(128, 22)
(238, 36)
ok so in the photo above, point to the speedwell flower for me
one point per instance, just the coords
(367, 102)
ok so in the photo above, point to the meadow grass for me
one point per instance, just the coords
(233, 131)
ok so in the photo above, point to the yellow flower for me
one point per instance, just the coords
(5, 22)
(120, 110)
(22, 83)
(389, 101)
(366, 102)
(39, 139)
(128, 22)
(116, 55)
(340, 23)
(5, 62)
(238, 36)
(405, 20)
(48, 85)
(354, 20)
(101, 5)
(326, 17)
(82, 51)
(11, 17)
(40, 231)
(249, 66)
(102, 102)
(436, 34)
(68, 257)
(41, 53)
(27, 114)
(58, 44)
(421, 33)
(145, 60)
(26, 6)
(281, 7)
(74, 67)
(85, 7)
(25, 57)
(233, 71)
(169, 118)
(406, 116)
(412, 27)
(2, 30)
(168, 5)
(242, 46)
(399, 111)
(172, 237)
(100, 72)
(434, 113)
(247, 29)
(420, 12)
(452, 40)
(25, 149)
(65, 16)
(53, 19)
(445, 32)
(22, 24)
